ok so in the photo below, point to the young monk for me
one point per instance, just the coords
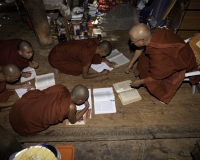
(9, 74)
(75, 57)
(37, 110)
(18, 52)
(164, 58)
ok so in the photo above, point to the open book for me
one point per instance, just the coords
(101, 67)
(118, 58)
(44, 81)
(104, 100)
(82, 121)
(41, 82)
(126, 93)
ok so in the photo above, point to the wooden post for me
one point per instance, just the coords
(37, 14)
(66, 28)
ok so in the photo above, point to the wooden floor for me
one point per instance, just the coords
(143, 120)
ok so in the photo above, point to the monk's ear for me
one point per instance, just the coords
(20, 52)
(80, 101)
(7, 78)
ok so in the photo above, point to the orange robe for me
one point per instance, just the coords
(9, 54)
(164, 63)
(70, 57)
(4, 93)
(37, 110)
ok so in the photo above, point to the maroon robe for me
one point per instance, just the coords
(37, 110)
(4, 93)
(164, 63)
(9, 54)
(70, 57)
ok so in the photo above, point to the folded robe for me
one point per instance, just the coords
(9, 54)
(70, 57)
(37, 110)
(164, 63)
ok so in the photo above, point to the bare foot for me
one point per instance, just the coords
(136, 73)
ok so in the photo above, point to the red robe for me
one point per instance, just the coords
(4, 93)
(37, 110)
(70, 57)
(9, 54)
(164, 63)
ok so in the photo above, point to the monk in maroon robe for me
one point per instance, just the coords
(75, 57)
(163, 63)
(18, 52)
(9, 74)
(37, 110)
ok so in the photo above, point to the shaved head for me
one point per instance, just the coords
(11, 70)
(23, 44)
(105, 46)
(140, 31)
(80, 92)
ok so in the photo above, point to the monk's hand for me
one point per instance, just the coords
(26, 74)
(128, 69)
(110, 64)
(27, 85)
(34, 64)
(104, 72)
(87, 105)
(137, 83)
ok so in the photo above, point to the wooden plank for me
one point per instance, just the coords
(191, 21)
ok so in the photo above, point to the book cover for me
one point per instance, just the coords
(126, 93)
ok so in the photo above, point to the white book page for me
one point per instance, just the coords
(120, 60)
(80, 107)
(101, 67)
(122, 86)
(33, 74)
(44, 81)
(21, 91)
(104, 100)
(113, 54)
(129, 96)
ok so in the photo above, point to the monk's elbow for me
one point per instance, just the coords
(84, 76)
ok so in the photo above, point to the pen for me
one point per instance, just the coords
(102, 80)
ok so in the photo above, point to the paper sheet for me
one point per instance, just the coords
(104, 100)
(101, 67)
(33, 74)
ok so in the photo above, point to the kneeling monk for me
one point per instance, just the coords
(9, 74)
(37, 110)
(164, 58)
(75, 57)
(18, 52)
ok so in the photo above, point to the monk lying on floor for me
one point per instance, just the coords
(18, 52)
(9, 74)
(164, 58)
(37, 110)
(75, 57)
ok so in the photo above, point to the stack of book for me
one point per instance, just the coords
(92, 9)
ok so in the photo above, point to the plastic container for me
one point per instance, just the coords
(67, 152)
